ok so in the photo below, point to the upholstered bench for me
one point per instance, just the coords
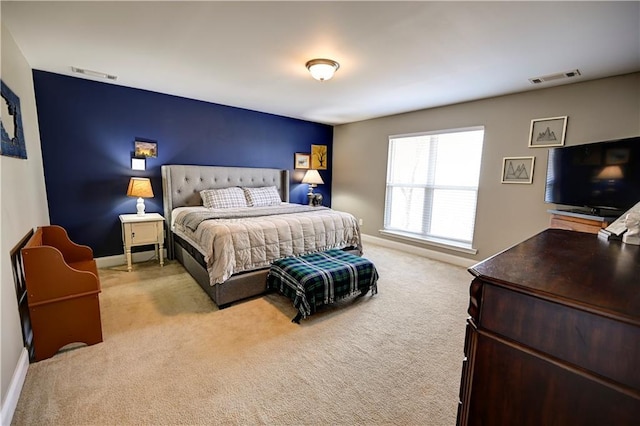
(322, 278)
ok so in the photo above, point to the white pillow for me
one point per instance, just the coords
(262, 196)
(224, 198)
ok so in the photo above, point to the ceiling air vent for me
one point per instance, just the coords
(94, 73)
(553, 77)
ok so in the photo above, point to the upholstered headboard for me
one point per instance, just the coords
(181, 185)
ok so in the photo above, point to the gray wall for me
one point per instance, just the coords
(507, 213)
(23, 203)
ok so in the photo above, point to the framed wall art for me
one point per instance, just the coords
(301, 161)
(547, 132)
(517, 169)
(13, 143)
(319, 157)
(144, 149)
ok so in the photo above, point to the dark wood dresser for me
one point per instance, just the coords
(554, 334)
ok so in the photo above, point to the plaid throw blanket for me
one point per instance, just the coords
(322, 278)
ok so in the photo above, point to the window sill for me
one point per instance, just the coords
(462, 248)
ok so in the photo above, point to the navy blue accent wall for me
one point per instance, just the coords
(87, 132)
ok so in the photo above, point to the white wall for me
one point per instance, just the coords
(506, 214)
(23, 205)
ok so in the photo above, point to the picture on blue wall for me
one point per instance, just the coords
(302, 160)
(319, 157)
(13, 144)
(146, 149)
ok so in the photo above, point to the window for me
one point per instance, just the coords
(432, 186)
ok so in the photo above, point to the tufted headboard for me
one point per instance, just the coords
(181, 185)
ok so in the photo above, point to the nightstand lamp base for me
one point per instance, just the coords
(140, 206)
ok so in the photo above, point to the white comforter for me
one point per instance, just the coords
(233, 245)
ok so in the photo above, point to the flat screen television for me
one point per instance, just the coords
(601, 178)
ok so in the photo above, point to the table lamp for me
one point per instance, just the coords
(141, 188)
(313, 178)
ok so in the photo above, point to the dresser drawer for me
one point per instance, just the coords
(515, 387)
(603, 345)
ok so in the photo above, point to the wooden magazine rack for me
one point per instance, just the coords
(62, 285)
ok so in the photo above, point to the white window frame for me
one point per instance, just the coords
(424, 237)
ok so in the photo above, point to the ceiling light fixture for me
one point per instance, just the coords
(322, 69)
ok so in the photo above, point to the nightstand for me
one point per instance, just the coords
(142, 230)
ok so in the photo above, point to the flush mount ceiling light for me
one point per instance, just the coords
(322, 69)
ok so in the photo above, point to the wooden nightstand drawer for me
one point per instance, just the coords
(144, 233)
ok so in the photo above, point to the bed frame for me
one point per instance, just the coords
(181, 186)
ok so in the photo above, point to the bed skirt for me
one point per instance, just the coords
(239, 286)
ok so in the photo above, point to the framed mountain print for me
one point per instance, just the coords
(546, 132)
(517, 169)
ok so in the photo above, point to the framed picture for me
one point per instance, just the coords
(517, 169)
(145, 149)
(301, 160)
(319, 158)
(547, 132)
(13, 143)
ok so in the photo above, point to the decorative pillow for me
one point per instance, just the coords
(262, 196)
(224, 198)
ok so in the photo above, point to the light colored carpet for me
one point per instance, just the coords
(169, 356)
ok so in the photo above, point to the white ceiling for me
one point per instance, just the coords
(394, 56)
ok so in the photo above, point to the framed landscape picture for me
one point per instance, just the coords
(517, 169)
(301, 160)
(547, 132)
(145, 149)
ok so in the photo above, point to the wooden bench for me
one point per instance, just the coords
(62, 285)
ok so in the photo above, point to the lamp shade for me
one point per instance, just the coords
(140, 187)
(312, 177)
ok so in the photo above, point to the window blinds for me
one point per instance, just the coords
(432, 185)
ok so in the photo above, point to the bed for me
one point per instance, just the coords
(192, 228)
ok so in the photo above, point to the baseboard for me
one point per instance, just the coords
(120, 259)
(15, 387)
(143, 256)
(431, 254)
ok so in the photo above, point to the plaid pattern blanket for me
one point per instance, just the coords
(322, 278)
